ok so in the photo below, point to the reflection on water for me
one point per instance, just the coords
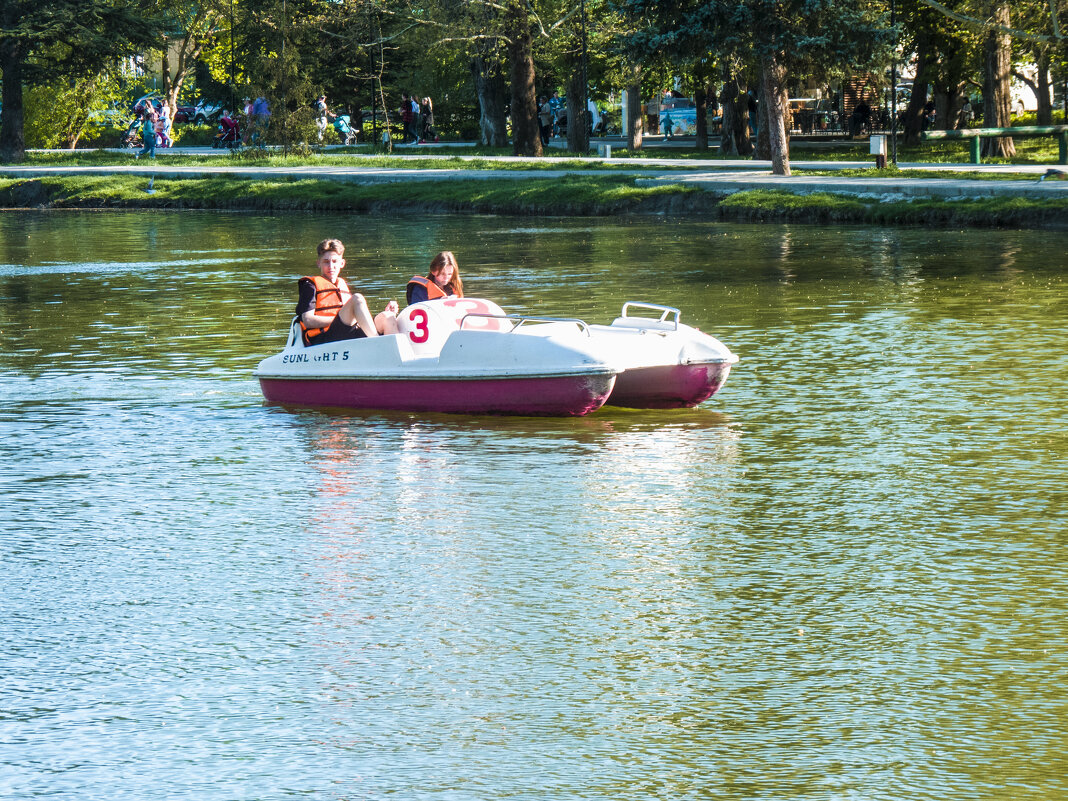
(842, 577)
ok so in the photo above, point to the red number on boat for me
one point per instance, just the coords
(422, 331)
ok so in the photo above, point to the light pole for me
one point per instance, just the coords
(893, 86)
(586, 119)
(233, 82)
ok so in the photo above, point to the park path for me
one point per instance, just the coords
(721, 176)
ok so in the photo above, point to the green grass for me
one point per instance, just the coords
(894, 172)
(822, 207)
(578, 194)
(567, 195)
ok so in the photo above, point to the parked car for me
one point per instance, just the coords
(206, 113)
(184, 113)
(152, 97)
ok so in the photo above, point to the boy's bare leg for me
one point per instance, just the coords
(357, 311)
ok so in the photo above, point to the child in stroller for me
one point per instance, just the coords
(229, 134)
(344, 129)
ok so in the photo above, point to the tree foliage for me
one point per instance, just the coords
(42, 41)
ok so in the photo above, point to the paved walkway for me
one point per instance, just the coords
(717, 176)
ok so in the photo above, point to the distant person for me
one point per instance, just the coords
(559, 112)
(753, 108)
(861, 119)
(329, 311)
(413, 104)
(426, 120)
(929, 114)
(163, 126)
(148, 129)
(322, 115)
(669, 126)
(545, 119)
(966, 113)
(407, 120)
(259, 118)
(442, 280)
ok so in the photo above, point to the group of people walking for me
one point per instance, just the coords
(329, 311)
(155, 124)
(418, 119)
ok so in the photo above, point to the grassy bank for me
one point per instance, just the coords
(584, 194)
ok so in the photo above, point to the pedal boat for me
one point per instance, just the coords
(459, 355)
(666, 364)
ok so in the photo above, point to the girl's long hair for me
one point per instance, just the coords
(455, 286)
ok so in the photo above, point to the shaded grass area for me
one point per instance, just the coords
(578, 195)
(568, 195)
(260, 158)
(893, 172)
(821, 207)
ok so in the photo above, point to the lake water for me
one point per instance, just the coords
(842, 577)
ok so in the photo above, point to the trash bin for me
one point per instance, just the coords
(604, 151)
(877, 148)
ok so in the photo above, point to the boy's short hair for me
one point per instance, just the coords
(331, 244)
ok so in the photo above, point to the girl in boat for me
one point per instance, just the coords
(443, 280)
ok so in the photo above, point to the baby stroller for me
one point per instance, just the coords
(130, 137)
(229, 134)
(344, 129)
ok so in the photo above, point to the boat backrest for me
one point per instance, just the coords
(427, 325)
(647, 323)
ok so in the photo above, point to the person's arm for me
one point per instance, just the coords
(417, 293)
(306, 306)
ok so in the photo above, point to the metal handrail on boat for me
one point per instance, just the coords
(522, 319)
(665, 310)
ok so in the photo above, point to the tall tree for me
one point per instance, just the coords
(42, 40)
(997, 93)
(781, 37)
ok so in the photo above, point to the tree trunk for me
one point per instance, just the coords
(490, 88)
(165, 75)
(763, 141)
(734, 130)
(578, 115)
(997, 97)
(12, 138)
(526, 134)
(634, 109)
(775, 100)
(1045, 104)
(700, 97)
(912, 119)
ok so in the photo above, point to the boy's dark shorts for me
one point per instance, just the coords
(337, 332)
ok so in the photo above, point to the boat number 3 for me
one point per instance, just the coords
(422, 332)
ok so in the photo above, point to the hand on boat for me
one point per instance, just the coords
(392, 307)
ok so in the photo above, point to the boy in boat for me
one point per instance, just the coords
(329, 312)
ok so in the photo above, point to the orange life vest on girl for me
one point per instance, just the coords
(433, 291)
(329, 298)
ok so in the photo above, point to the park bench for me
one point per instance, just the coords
(976, 134)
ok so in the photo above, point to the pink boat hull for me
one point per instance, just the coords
(672, 386)
(570, 396)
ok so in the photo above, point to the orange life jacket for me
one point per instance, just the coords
(433, 291)
(329, 298)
